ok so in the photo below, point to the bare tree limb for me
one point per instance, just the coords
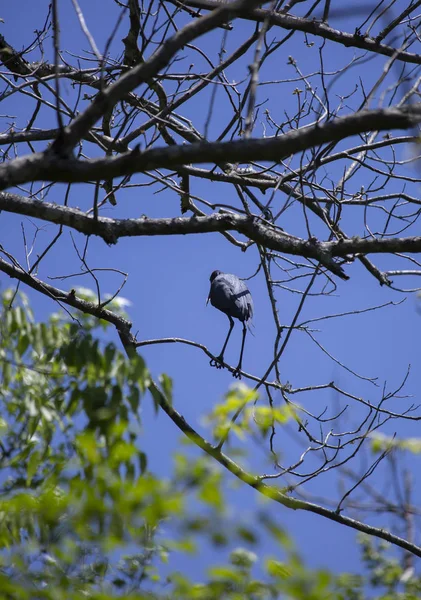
(48, 166)
(110, 230)
(318, 28)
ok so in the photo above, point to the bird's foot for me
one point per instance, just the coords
(217, 362)
(237, 372)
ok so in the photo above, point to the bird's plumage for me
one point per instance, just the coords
(231, 296)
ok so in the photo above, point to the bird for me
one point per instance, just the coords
(231, 296)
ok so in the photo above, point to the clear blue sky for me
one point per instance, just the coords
(169, 282)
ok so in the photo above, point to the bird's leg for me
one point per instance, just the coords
(218, 362)
(237, 372)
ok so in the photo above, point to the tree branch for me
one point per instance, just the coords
(110, 230)
(47, 166)
(317, 28)
(68, 298)
(270, 491)
(106, 99)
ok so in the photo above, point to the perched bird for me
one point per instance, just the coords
(231, 296)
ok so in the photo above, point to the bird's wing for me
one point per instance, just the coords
(240, 294)
(251, 305)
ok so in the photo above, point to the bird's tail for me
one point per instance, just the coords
(250, 324)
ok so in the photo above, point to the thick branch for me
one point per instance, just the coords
(357, 245)
(47, 166)
(110, 230)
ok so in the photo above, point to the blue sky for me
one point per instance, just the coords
(169, 282)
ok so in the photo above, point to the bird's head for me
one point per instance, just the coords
(214, 274)
(211, 278)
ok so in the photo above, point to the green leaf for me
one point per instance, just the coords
(122, 452)
(277, 569)
(138, 371)
(143, 462)
(225, 574)
(134, 399)
(243, 558)
(32, 466)
(109, 355)
(23, 344)
(166, 383)
(156, 396)
(210, 492)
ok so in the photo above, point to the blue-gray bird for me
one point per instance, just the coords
(231, 296)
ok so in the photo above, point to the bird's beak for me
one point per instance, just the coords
(207, 301)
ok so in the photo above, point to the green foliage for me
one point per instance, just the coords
(381, 442)
(81, 514)
(74, 487)
(241, 400)
(394, 579)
